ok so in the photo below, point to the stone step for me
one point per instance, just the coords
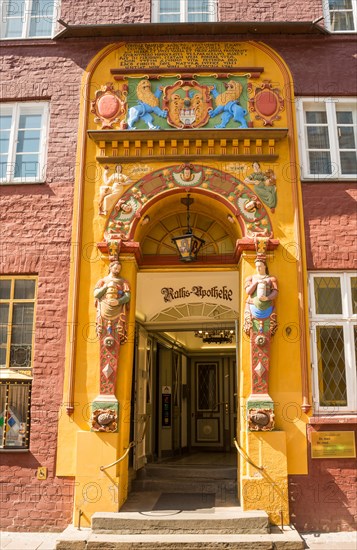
(227, 520)
(73, 539)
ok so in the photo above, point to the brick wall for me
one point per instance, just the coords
(84, 12)
(326, 498)
(37, 234)
(265, 10)
(330, 225)
(35, 237)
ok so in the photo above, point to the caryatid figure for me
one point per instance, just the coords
(260, 324)
(112, 296)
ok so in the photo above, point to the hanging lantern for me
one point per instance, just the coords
(188, 245)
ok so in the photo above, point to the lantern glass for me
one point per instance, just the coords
(188, 246)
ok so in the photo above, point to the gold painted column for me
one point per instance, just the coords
(264, 487)
(98, 487)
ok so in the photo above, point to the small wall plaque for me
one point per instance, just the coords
(333, 444)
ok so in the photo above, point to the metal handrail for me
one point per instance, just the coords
(130, 446)
(266, 477)
(246, 458)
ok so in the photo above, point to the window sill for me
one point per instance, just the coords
(326, 179)
(26, 41)
(14, 450)
(17, 183)
(348, 418)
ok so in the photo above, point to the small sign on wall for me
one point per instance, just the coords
(166, 404)
(338, 444)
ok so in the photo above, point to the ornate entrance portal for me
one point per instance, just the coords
(185, 387)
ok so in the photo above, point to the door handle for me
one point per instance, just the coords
(226, 407)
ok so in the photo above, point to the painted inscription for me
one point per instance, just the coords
(152, 56)
(222, 293)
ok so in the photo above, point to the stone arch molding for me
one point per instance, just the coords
(236, 195)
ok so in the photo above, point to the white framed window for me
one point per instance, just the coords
(28, 18)
(333, 317)
(327, 138)
(23, 141)
(340, 15)
(183, 11)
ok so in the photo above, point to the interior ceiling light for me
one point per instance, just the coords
(216, 336)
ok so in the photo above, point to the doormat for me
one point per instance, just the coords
(185, 501)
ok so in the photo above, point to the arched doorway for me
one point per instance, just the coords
(186, 362)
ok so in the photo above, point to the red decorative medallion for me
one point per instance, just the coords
(266, 103)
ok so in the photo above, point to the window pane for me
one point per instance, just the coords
(331, 366)
(17, 416)
(22, 321)
(3, 357)
(2, 411)
(42, 18)
(29, 121)
(316, 117)
(24, 289)
(169, 5)
(354, 294)
(328, 298)
(344, 117)
(348, 162)
(198, 5)
(317, 137)
(27, 166)
(4, 313)
(4, 328)
(320, 162)
(13, 28)
(207, 386)
(340, 4)
(346, 137)
(5, 288)
(171, 18)
(28, 141)
(40, 27)
(197, 17)
(342, 21)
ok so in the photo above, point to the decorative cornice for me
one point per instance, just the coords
(176, 145)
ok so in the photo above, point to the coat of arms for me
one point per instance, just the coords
(187, 103)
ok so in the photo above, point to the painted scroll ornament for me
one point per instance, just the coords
(260, 324)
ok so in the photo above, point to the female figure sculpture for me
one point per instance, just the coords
(260, 324)
(112, 295)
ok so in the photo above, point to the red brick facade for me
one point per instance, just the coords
(326, 498)
(36, 239)
(330, 225)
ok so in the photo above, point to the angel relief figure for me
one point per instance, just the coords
(264, 185)
(112, 189)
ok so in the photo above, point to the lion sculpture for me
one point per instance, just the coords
(228, 105)
(148, 102)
